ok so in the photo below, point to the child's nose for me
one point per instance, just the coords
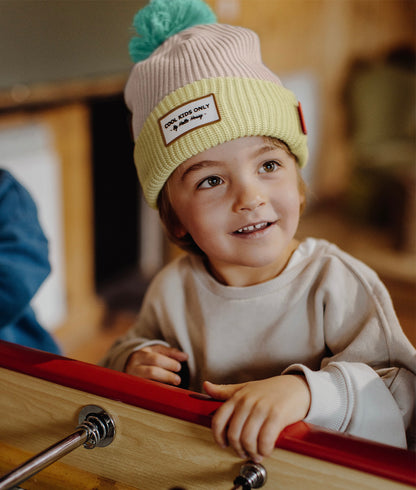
(248, 197)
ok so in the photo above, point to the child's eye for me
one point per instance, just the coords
(268, 167)
(209, 182)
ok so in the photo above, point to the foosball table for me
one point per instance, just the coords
(67, 424)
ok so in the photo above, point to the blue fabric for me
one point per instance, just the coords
(24, 265)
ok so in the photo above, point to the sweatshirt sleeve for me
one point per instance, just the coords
(350, 397)
(145, 331)
(366, 384)
(24, 263)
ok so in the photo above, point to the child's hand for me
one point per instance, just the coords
(157, 362)
(256, 412)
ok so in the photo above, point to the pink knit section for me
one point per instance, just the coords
(200, 52)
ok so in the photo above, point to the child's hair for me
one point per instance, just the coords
(171, 222)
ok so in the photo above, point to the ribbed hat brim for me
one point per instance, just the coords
(244, 107)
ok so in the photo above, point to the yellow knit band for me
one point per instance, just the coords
(239, 107)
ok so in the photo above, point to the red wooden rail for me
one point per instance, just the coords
(385, 461)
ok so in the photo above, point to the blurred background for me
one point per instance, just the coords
(64, 133)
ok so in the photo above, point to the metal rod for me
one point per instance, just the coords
(97, 429)
(44, 459)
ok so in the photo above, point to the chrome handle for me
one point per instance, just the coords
(252, 475)
(96, 429)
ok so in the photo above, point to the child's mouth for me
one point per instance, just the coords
(253, 228)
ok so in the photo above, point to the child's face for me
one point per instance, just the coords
(240, 202)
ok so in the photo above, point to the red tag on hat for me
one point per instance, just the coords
(302, 119)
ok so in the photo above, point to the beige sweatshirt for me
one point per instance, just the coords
(327, 315)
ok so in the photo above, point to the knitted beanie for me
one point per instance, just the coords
(196, 87)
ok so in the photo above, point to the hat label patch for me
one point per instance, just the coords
(188, 116)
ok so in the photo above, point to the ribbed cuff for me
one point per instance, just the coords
(330, 403)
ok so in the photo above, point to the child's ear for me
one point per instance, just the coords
(179, 230)
(302, 200)
(302, 193)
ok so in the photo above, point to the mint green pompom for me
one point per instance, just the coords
(161, 19)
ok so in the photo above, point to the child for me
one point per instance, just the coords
(24, 265)
(280, 330)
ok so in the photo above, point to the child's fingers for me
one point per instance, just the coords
(222, 392)
(268, 435)
(150, 356)
(248, 430)
(230, 418)
(260, 432)
(154, 366)
(245, 426)
(236, 427)
(158, 363)
(220, 422)
(255, 413)
(156, 373)
(249, 437)
(169, 352)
